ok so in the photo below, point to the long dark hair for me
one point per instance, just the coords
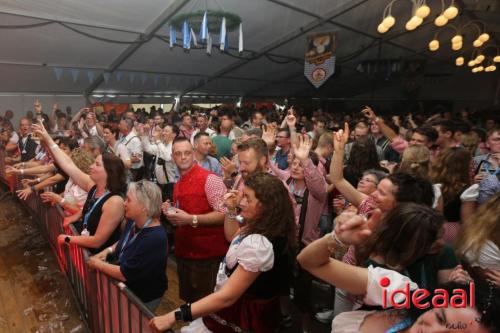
(363, 156)
(277, 218)
(115, 169)
(405, 235)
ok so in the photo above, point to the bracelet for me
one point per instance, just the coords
(110, 250)
(39, 180)
(186, 312)
(22, 171)
(54, 146)
(333, 235)
(62, 202)
(23, 164)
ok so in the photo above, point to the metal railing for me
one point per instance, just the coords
(106, 305)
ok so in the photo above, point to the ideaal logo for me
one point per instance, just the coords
(419, 297)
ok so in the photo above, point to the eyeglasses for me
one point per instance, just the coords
(368, 180)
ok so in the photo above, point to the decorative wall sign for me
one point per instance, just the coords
(319, 58)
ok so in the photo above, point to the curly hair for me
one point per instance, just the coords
(82, 159)
(405, 235)
(277, 218)
(451, 169)
(480, 227)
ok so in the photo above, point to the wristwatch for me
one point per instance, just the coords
(194, 224)
(67, 239)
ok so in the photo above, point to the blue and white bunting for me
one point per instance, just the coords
(119, 76)
(74, 74)
(223, 39)
(240, 39)
(58, 71)
(193, 36)
(204, 28)
(186, 36)
(91, 76)
(106, 76)
(173, 37)
(209, 44)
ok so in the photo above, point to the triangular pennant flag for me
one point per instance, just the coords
(204, 27)
(106, 76)
(74, 73)
(156, 77)
(144, 78)
(173, 37)
(58, 71)
(186, 36)
(209, 44)
(222, 39)
(131, 77)
(119, 76)
(193, 36)
(240, 39)
(91, 76)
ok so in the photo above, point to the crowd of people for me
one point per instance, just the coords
(259, 207)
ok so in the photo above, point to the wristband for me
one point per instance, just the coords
(194, 224)
(62, 201)
(110, 250)
(184, 313)
(333, 235)
(39, 180)
(54, 146)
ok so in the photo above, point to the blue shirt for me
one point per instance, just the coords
(281, 159)
(213, 165)
(143, 261)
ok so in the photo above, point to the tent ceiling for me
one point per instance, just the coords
(272, 64)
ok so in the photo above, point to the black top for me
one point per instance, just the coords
(28, 148)
(94, 218)
(271, 283)
(451, 209)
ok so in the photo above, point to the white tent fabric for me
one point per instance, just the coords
(129, 40)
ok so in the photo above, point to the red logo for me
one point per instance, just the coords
(419, 297)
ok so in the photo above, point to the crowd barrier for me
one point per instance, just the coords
(106, 305)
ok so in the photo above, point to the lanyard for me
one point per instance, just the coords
(126, 241)
(404, 324)
(87, 215)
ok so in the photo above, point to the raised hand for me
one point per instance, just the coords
(291, 120)
(356, 229)
(37, 106)
(303, 147)
(231, 200)
(341, 137)
(228, 166)
(40, 132)
(269, 135)
(368, 113)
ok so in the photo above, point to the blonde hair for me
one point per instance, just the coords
(416, 161)
(480, 227)
(82, 159)
(470, 141)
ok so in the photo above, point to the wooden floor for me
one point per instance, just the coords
(34, 295)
